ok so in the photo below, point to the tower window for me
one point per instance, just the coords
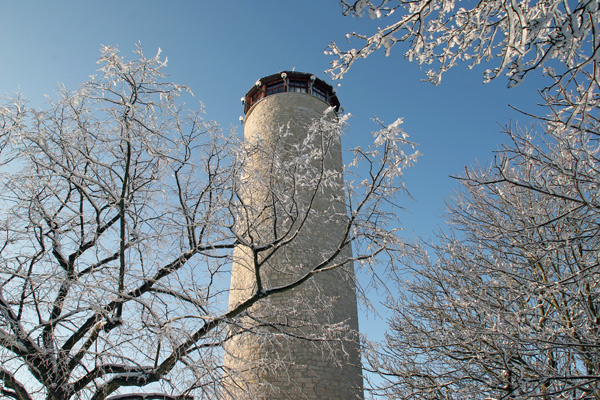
(298, 86)
(275, 87)
(318, 92)
(257, 96)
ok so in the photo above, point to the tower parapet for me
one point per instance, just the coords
(301, 343)
(290, 81)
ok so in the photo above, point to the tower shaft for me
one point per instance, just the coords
(301, 343)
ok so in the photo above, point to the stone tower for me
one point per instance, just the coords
(302, 343)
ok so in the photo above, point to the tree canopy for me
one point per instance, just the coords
(121, 209)
(506, 303)
(515, 37)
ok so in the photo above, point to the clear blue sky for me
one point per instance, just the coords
(220, 48)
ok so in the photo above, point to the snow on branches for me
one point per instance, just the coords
(522, 35)
(121, 210)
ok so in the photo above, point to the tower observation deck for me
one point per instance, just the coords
(290, 82)
(301, 343)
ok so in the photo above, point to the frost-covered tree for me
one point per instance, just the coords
(507, 306)
(120, 211)
(514, 36)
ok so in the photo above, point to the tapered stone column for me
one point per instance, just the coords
(301, 344)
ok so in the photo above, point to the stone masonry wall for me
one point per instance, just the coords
(293, 345)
